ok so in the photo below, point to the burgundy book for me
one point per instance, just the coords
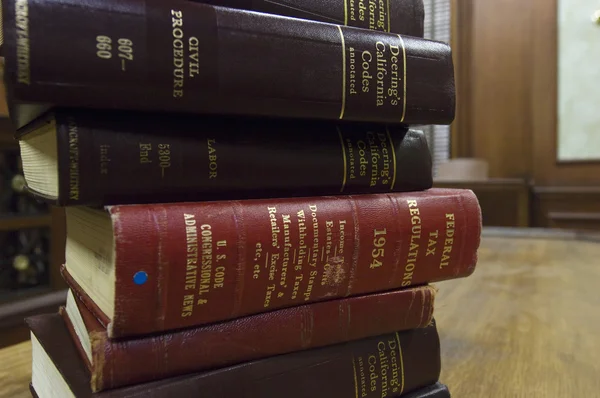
(184, 56)
(405, 17)
(116, 363)
(406, 363)
(101, 157)
(151, 268)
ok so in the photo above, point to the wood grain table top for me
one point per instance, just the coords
(15, 371)
(525, 324)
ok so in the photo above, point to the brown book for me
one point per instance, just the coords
(116, 363)
(157, 267)
(77, 157)
(405, 17)
(183, 56)
(402, 362)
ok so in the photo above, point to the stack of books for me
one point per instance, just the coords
(248, 212)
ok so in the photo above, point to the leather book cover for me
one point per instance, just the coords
(115, 363)
(405, 17)
(125, 157)
(184, 56)
(213, 261)
(405, 362)
(437, 390)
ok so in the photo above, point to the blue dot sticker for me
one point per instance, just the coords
(140, 278)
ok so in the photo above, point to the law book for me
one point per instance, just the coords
(78, 157)
(437, 390)
(115, 363)
(183, 56)
(406, 363)
(405, 17)
(157, 267)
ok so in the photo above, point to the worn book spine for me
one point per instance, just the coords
(184, 56)
(404, 17)
(210, 261)
(401, 362)
(117, 363)
(437, 390)
(189, 158)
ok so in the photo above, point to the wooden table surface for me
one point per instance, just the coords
(15, 371)
(525, 324)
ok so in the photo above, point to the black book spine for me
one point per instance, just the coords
(183, 56)
(405, 17)
(110, 158)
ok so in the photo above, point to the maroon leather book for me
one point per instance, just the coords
(405, 17)
(403, 363)
(199, 158)
(115, 363)
(183, 56)
(211, 261)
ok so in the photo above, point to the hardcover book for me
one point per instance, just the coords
(183, 56)
(406, 363)
(76, 157)
(397, 16)
(151, 268)
(116, 363)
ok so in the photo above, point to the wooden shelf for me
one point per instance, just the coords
(12, 314)
(12, 296)
(7, 134)
(16, 222)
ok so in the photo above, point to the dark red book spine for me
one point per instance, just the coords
(183, 56)
(117, 363)
(212, 261)
(405, 17)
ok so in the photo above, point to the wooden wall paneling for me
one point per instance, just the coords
(3, 104)
(501, 81)
(57, 247)
(461, 43)
(13, 314)
(547, 171)
(504, 202)
(567, 207)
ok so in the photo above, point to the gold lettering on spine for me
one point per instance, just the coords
(449, 241)
(206, 263)
(178, 53)
(22, 33)
(387, 130)
(404, 70)
(401, 364)
(413, 251)
(344, 73)
(345, 160)
(355, 379)
(73, 159)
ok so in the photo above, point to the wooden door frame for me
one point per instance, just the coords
(461, 42)
(547, 169)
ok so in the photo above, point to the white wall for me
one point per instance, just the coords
(579, 81)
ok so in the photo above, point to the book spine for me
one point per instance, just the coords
(183, 56)
(395, 363)
(405, 17)
(190, 159)
(211, 261)
(116, 363)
